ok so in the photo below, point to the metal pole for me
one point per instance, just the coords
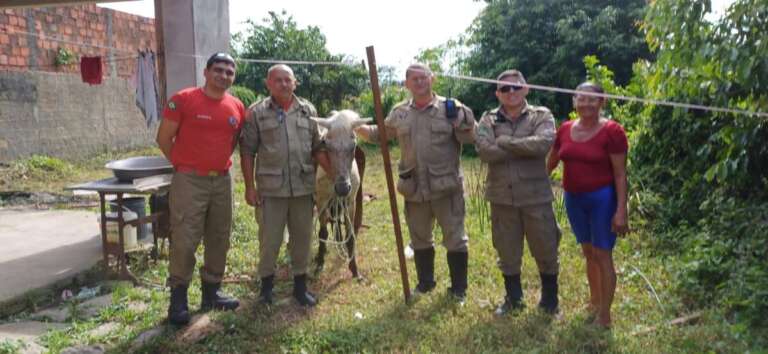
(383, 143)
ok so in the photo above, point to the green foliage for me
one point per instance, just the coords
(39, 166)
(12, 346)
(547, 40)
(720, 64)
(63, 57)
(390, 96)
(279, 37)
(446, 58)
(244, 94)
(700, 177)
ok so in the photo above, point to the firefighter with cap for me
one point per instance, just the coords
(430, 130)
(284, 142)
(514, 140)
(198, 134)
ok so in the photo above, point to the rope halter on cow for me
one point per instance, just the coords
(337, 212)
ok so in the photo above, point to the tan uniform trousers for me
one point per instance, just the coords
(537, 223)
(201, 209)
(449, 212)
(273, 216)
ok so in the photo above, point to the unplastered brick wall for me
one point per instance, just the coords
(30, 38)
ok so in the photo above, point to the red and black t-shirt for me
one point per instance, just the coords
(208, 129)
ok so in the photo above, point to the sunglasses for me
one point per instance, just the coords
(220, 71)
(507, 88)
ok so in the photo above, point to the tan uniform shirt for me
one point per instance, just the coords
(430, 148)
(283, 143)
(515, 151)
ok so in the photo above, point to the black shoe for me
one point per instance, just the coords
(513, 301)
(265, 296)
(214, 298)
(178, 310)
(304, 297)
(549, 302)
(457, 265)
(425, 269)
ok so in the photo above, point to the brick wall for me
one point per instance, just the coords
(47, 109)
(27, 38)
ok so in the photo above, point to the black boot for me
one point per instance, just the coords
(214, 298)
(457, 264)
(304, 297)
(514, 299)
(267, 283)
(549, 302)
(425, 269)
(178, 310)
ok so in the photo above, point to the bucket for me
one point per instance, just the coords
(129, 231)
(138, 206)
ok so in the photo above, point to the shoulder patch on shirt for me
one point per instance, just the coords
(539, 109)
(172, 105)
(484, 130)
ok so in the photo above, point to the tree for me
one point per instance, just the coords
(547, 40)
(244, 94)
(702, 176)
(280, 38)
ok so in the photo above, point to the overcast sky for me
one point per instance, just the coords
(350, 26)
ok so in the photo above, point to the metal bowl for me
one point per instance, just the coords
(127, 170)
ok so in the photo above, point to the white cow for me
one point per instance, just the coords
(342, 186)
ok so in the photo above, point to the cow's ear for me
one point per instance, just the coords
(333, 113)
(325, 123)
(360, 121)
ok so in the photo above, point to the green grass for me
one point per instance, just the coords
(40, 173)
(369, 315)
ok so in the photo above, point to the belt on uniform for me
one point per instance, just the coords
(199, 172)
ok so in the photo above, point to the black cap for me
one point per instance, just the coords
(219, 57)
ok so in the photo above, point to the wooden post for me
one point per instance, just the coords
(383, 143)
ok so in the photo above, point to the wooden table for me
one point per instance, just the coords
(112, 186)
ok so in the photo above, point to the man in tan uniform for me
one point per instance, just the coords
(280, 135)
(514, 140)
(430, 130)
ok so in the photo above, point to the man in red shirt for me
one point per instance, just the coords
(198, 135)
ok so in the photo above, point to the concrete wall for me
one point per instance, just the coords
(192, 28)
(59, 115)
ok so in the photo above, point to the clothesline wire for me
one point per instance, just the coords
(104, 60)
(613, 96)
(56, 39)
(453, 76)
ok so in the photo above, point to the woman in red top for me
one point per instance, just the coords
(594, 154)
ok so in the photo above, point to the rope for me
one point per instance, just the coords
(341, 229)
(650, 287)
